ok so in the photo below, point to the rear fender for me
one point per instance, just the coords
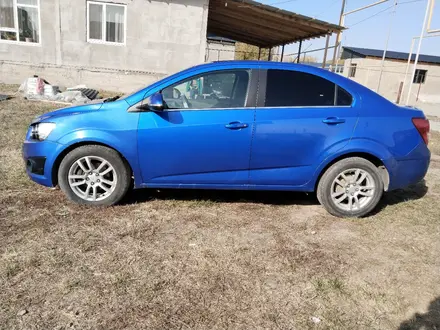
(358, 146)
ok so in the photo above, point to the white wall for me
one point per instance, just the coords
(219, 51)
(162, 37)
(368, 73)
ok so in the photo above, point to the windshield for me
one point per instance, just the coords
(143, 87)
(159, 81)
(131, 93)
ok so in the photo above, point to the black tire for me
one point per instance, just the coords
(122, 170)
(324, 190)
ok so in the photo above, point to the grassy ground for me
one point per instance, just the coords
(210, 260)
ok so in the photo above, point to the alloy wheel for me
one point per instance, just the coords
(353, 189)
(92, 178)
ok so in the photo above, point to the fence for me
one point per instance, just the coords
(228, 51)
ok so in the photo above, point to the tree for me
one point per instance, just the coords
(249, 52)
(303, 59)
(308, 59)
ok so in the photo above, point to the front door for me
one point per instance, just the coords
(301, 120)
(203, 136)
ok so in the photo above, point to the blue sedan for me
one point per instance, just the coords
(246, 125)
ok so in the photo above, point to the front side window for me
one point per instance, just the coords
(221, 89)
(287, 88)
(19, 20)
(106, 22)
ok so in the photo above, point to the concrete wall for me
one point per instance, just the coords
(368, 73)
(219, 51)
(162, 37)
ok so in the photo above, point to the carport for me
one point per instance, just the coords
(265, 26)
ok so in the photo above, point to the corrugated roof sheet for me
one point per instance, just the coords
(213, 37)
(262, 25)
(363, 52)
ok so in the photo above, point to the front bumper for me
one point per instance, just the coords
(39, 158)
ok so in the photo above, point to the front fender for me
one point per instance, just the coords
(124, 142)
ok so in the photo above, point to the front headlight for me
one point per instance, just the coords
(41, 131)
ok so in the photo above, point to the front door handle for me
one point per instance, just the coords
(236, 125)
(333, 121)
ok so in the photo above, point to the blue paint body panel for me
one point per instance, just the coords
(194, 147)
(279, 149)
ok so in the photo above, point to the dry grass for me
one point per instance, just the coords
(210, 260)
(434, 142)
(433, 118)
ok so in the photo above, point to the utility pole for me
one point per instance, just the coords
(338, 36)
(341, 23)
(386, 45)
(428, 6)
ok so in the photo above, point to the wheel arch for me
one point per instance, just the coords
(383, 171)
(60, 157)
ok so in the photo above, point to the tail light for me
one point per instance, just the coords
(422, 126)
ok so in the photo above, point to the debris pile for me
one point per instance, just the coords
(4, 97)
(37, 88)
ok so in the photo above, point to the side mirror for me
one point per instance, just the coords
(154, 103)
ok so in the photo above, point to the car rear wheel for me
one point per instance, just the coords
(351, 187)
(94, 175)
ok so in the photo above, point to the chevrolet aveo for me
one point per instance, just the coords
(235, 125)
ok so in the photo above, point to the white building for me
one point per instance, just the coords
(126, 44)
(219, 49)
(364, 66)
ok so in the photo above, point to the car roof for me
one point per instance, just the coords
(262, 64)
(265, 65)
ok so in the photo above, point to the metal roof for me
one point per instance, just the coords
(364, 52)
(262, 25)
(212, 37)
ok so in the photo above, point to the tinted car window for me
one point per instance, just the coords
(293, 88)
(221, 89)
(344, 97)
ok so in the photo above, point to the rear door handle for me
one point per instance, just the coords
(236, 125)
(333, 121)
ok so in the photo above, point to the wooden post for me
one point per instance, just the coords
(259, 53)
(399, 92)
(299, 50)
(282, 53)
(269, 57)
(325, 51)
(418, 92)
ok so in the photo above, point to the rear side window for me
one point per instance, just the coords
(343, 97)
(299, 89)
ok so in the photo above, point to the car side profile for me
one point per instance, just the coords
(248, 125)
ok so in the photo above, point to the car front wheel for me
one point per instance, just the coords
(94, 175)
(351, 187)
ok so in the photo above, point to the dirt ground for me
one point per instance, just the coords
(211, 260)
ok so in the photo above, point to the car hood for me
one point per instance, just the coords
(68, 111)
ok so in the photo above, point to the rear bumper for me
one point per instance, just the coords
(39, 158)
(411, 169)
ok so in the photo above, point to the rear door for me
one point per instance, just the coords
(300, 120)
